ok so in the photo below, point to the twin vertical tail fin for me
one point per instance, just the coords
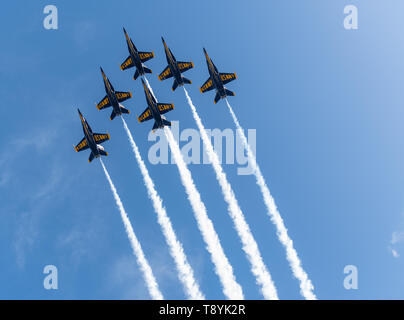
(147, 70)
(122, 109)
(227, 92)
(164, 123)
(184, 80)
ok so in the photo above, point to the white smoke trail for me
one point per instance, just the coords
(186, 274)
(223, 269)
(250, 246)
(148, 85)
(306, 287)
(148, 276)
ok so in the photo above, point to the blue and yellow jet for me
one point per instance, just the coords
(136, 59)
(175, 68)
(217, 80)
(155, 110)
(91, 140)
(113, 98)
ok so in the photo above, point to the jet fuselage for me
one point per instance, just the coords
(88, 133)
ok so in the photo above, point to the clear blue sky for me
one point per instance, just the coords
(326, 103)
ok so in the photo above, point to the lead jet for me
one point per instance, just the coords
(91, 140)
(155, 110)
(113, 98)
(175, 68)
(217, 80)
(136, 59)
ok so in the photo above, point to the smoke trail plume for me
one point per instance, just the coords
(250, 246)
(306, 287)
(185, 272)
(148, 276)
(223, 269)
(148, 85)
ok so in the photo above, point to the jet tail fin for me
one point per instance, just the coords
(136, 75)
(229, 93)
(217, 97)
(113, 115)
(124, 110)
(102, 152)
(155, 126)
(186, 80)
(175, 85)
(91, 157)
(166, 122)
(147, 70)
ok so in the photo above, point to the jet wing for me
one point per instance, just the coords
(122, 96)
(146, 115)
(208, 85)
(165, 107)
(128, 63)
(144, 56)
(167, 73)
(101, 137)
(82, 145)
(184, 66)
(104, 103)
(227, 77)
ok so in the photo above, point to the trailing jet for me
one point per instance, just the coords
(91, 140)
(217, 80)
(113, 98)
(155, 110)
(175, 68)
(136, 59)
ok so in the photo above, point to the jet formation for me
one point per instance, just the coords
(154, 110)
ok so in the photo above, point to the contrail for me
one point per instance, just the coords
(250, 246)
(306, 287)
(223, 269)
(186, 274)
(148, 276)
(148, 85)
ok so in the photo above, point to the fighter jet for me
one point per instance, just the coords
(155, 110)
(217, 80)
(113, 98)
(175, 68)
(136, 59)
(91, 140)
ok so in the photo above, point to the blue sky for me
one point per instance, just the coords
(326, 104)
